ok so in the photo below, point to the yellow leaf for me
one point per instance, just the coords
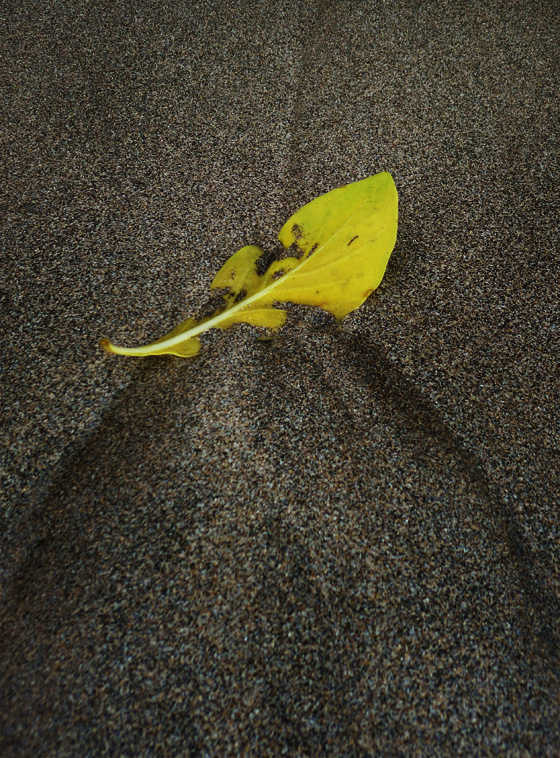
(344, 239)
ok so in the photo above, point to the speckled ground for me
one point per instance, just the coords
(342, 542)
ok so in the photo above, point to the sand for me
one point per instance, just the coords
(344, 541)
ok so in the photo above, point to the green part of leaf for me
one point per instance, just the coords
(185, 348)
(270, 318)
(239, 273)
(345, 239)
(278, 269)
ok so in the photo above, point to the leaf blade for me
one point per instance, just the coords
(345, 238)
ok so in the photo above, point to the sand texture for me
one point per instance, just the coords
(341, 542)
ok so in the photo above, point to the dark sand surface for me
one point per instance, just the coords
(344, 541)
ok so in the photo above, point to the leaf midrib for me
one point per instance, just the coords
(226, 314)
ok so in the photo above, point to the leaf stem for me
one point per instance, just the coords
(210, 323)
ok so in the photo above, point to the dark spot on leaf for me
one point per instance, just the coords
(352, 240)
(279, 273)
(297, 232)
(262, 263)
(213, 305)
(240, 295)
